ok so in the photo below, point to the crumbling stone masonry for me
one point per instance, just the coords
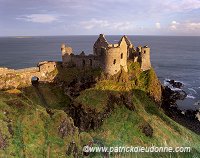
(110, 57)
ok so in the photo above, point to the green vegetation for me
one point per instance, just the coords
(69, 74)
(93, 99)
(29, 130)
(53, 95)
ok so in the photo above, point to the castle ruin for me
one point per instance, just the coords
(111, 58)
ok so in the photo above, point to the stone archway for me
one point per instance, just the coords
(34, 80)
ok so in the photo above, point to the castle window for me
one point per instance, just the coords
(102, 51)
(144, 51)
(121, 55)
(114, 62)
(83, 63)
(90, 62)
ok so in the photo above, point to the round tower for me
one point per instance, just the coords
(111, 63)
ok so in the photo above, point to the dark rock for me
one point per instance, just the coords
(10, 130)
(50, 112)
(175, 84)
(147, 130)
(3, 141)
(170, 96)
(72, 150)
(63, 129)
(191, 114)
(188, 118)
(127, 101)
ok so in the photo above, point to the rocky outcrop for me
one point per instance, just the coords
(188, 118)
(86, 119)
(3, 141)
(175, 84)
(147, 130)
(171, 96)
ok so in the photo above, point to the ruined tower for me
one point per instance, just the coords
(144, 57)
(100, 43)
(111, 58)
(66, 54)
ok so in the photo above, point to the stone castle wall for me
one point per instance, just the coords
(123, 54)
(99, 44)
(89, 61)
(10, 78)
(110, 57)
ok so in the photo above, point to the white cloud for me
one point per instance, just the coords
(94, 23)
(189, 4)
(192, 26)
(39, 18)
(174, 25)
(185, 26)
(158, 25)
(181, 5)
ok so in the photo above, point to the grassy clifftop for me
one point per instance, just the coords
(27, 130)
(122, 110)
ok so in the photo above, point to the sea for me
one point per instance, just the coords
(173, 57)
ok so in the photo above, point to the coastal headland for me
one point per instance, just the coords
(57, 108)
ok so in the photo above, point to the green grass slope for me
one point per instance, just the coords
(27, 129)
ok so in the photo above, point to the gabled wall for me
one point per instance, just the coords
(100, 43)
(123, 53)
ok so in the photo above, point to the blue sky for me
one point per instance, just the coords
(91, 17)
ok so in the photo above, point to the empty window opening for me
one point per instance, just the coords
(121, 55)
(83, 63)
(114, 62)
(102, 51)
(144, 51)
(90, 62)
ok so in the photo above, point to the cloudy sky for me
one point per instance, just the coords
(89, 17)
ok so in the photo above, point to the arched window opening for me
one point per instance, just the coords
(121, 55)
(114, 62)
